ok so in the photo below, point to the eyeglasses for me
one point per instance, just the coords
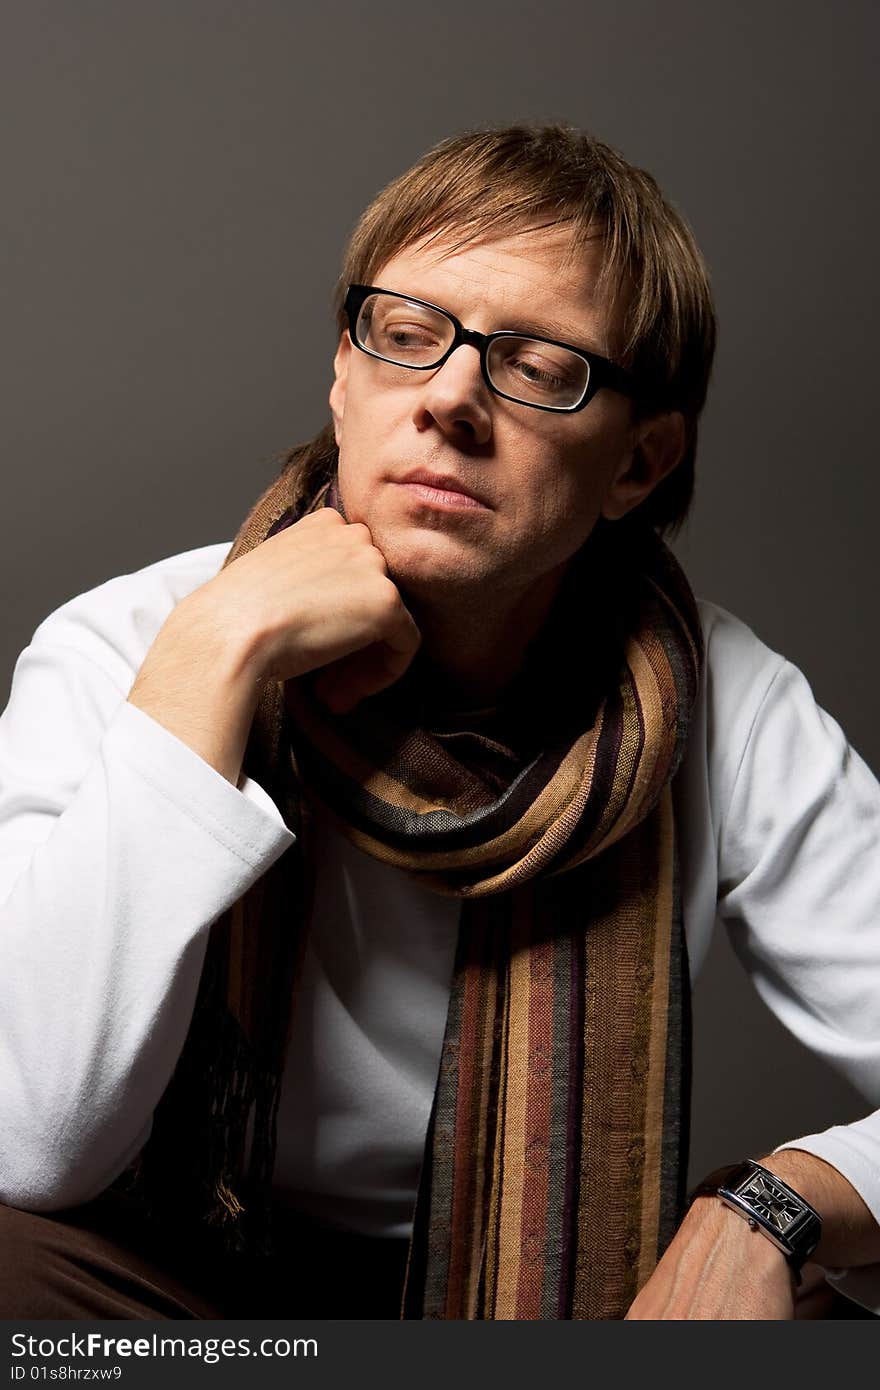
(538, 372)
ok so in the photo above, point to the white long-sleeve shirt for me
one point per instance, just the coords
(119, 847)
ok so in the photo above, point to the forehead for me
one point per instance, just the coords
(527, 278)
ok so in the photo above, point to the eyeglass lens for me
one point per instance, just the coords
(527, 369)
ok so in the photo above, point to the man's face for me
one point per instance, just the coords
(535, 482)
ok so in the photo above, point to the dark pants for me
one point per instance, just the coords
(101, 1261)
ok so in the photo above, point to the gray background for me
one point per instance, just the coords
(179, 180)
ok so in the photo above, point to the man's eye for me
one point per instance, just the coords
(408, 335)
(545, 374)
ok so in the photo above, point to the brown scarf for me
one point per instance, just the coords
(555, 1154)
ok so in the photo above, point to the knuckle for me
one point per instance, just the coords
(390, 598)
(324, 518)
(385, 606)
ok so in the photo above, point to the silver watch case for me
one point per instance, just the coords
(783, 1216)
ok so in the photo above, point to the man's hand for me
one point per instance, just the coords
(716, 1267)
(315, 596)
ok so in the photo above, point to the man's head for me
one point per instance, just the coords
(488, 182)
(529, 229)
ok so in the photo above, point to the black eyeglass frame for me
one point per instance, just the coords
(603, 372)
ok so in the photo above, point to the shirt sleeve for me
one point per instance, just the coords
(119, 847)
(799, 890)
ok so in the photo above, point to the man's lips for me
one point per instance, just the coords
(441, 489)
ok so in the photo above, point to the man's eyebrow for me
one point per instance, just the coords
(549, 328)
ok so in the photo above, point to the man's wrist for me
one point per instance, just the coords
(708, 1219)
(833, 1197)
(201, 686)
(850, 1235)
(709, 1208)
(763, 1203)
(802, 1171)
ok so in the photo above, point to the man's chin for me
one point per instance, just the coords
(432, 564)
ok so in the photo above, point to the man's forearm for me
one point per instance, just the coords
(716, 1267)
(200, 687)
(850, 1234)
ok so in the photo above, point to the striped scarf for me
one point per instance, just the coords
(555, 1154)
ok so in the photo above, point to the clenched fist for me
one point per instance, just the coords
(314, 597)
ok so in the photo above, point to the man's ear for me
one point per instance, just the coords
(340, 381)
(657, 448)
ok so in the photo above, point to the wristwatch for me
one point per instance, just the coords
(769, 1205)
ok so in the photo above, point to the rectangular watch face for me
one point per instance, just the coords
(772, 1202)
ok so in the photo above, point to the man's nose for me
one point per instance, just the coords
(456, 398)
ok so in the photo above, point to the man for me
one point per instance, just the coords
(353, 873)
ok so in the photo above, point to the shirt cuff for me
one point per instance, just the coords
(244, 818)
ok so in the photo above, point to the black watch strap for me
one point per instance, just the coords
(769, 1205)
